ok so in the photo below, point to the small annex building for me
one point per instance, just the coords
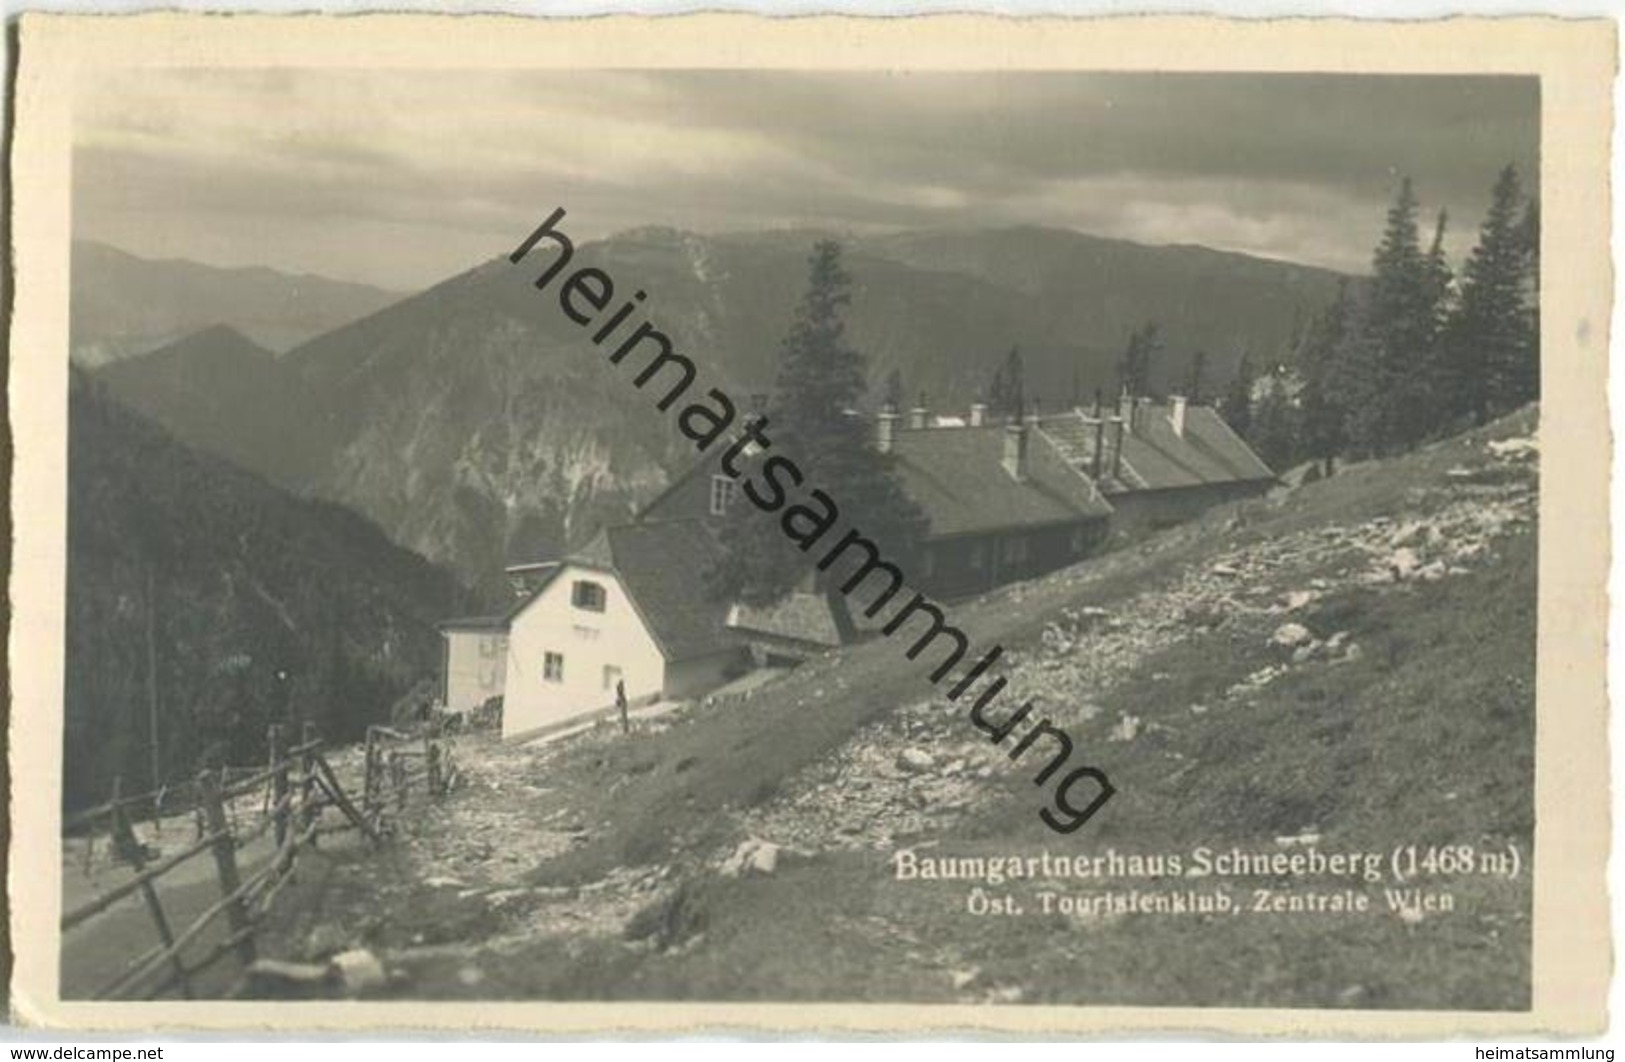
(473, 661)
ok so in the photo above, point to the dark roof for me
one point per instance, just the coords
(475, 623)
(596, 552)
(1155, 457)
(801, 617)
(957, 476)
(662, 566)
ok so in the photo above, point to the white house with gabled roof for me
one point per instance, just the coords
(630, 607)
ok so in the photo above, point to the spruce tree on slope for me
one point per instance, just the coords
(1529, 234)
(1493, 339)
(1391, 407)
(1320, 361)
(1237, 405)
(1197, 379)
(893, 397)
(1012, 385)
(820, 378)
(1134, 368)
(1275, 429)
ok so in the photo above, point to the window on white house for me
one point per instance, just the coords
(553, 667)
(489, 644)
(722, 494)
(587, 595)
(612, 675)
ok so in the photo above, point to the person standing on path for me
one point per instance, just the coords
(620, 702)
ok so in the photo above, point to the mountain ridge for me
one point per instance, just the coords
(123, 304)
(478, 425)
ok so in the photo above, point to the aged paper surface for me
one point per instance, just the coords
(1357, 784)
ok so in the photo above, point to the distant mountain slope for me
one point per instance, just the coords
(219, 391)
(1218, 301)
(476, 424)
(123, 304)
(263, 606)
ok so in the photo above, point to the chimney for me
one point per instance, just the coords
(1176, 413)
(978, 414)
(918, 417)
(1032, 417)
(1015, 450)
(1125, 409)
(885, 429)
(1118, 426)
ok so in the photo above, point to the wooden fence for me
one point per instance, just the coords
(397, 764)
(293, 792)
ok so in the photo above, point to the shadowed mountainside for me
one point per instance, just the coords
(261, 607)
(222, 393)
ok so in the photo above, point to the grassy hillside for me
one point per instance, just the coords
(263, 607)
(1404, 714)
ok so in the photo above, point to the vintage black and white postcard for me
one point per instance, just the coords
(711, 521)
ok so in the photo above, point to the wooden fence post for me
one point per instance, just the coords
(309, 806)
(397, 778)
(279, 782)
(367, 780)
(225, 863)
(437, 781)
(118, 828)
(137, 854)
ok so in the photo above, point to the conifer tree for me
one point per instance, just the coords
(1321, 360)
(1439, 275)
(1529, 232)
(1391, 404)
(1197, 378)
(1134, 368)
(1493, 340)
(997, 392)
(820, 377)
(1274, 427)
(893, 398)
(1237, 405)
(1010, 386)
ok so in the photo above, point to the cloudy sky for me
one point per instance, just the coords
(401, 178)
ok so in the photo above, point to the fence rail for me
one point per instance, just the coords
(299, 786)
